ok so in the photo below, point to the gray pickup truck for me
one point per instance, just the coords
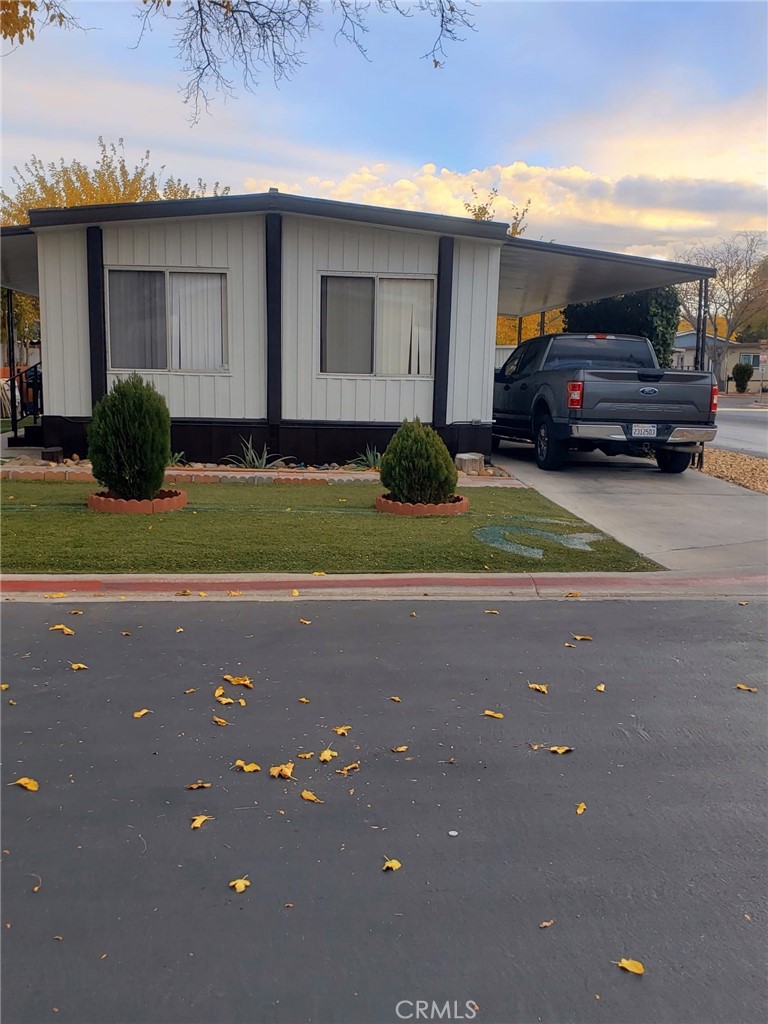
(602, 392)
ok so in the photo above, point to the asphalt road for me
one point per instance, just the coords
(666, 865)
(743, 431)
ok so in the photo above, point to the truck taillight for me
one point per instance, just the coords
(575, 394)
(713, 399)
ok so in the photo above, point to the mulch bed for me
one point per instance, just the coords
(748, 471)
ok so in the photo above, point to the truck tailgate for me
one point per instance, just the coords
(683, 396)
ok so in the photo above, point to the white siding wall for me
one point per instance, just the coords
(65, 348)
(473, 331)
(311, 246)
(231, 244)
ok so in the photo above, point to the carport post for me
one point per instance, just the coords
(542, 322)
(11, 361)
(699, 307)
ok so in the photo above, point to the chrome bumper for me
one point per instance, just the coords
(615, 432)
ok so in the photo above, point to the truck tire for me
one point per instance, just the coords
(550, 453)
(672, 462)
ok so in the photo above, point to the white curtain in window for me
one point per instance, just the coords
(346, 329)
(137, 339)
(404, 327)
(196, 321)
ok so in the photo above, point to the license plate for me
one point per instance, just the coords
(643, 430)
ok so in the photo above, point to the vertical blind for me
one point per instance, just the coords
(196, 321)
(137, 332)
(346, 325)
(404, 327)
(187, 335)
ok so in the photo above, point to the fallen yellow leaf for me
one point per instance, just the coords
(573, 593)
(391, 865)
(75, 611)
(354, 767)
(192, 689)
(242, 701)
(413, 615)
(62, 629)
(577, 636)
(294, 592)
(219, 692)
(199, 820)
(12, 703)
(320, 573)
(288, 906)
(4, 686)
(749, 689)
(306, 622)
(742, 603)
(250, 767)
(561, 750)
(327, 754)
(235, 593)
(569, 645)
(140, 714)
(399, 750)
(547, 924)
(126, 632)
(76, 666)
(198, 785)
(306, 754)
(180, 629)
(493, 714)
(396, 700)
(225, 700)
(238, 681)
(490, 611)
(309, 796)
(55, 595)
(600, 688)
(539, 687)
(282, 771)
(26, 783)
(201, 593)
(303, 700)
(580, 808)
(184, 593)
(219, 721)
(239, 884)
(341, 730)
(633, 966)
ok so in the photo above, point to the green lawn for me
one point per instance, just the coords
(290, 528)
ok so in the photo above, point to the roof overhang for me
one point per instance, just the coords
(536, 276)
(18, 260)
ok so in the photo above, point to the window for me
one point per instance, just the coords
(521, 362)
(750, 360)
(376, 325)
(165, 319)
(578, 351)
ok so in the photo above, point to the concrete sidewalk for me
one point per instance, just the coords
(406, 586)
(692, 521)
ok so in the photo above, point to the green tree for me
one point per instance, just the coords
(216, 38)
(654, 314)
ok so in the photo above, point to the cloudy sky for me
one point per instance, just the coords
(633, 127)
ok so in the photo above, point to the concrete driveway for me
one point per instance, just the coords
(691, 521)
(133, 919)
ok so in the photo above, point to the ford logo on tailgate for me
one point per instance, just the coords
(649, 391)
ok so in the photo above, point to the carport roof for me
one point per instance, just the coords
(536, 276)
(18, 260)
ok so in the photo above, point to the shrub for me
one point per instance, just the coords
(129, 439)
(252, 458)
(417, 467)
(742, 375)
(369, 459)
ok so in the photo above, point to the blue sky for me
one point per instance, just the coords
(638, 127)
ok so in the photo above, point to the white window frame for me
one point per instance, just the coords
(224, 370)
(750, 359)
(376, 276)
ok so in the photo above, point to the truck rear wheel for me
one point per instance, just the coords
(550, 452)
(672, 462)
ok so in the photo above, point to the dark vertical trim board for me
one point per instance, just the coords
(274, 264)
(97, 325)
(442, 330)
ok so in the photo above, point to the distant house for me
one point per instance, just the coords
(749, 353)
(684, 354)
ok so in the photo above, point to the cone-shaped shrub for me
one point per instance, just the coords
(129, 439)
(417, 467)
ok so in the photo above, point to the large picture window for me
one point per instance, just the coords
(376, 326)
(167, 320)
